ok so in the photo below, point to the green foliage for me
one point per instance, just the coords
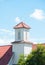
(21, 60)
(37, 57)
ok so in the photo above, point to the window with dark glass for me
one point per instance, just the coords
(19, 35)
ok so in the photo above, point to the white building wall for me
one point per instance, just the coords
(27, 49)
(17, 49)
(26, 34)
(16, 34)
(21, 48)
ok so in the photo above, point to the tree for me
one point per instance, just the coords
(21, 60)
(36, 57)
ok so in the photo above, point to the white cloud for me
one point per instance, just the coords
(37, 40)
(7, 36)
(4, 42)
(7, 31)
(1, 41)
(17, 19)
(38, 14)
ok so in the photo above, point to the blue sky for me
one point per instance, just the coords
(32, 12)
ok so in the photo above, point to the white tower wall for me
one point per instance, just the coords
(24, 34)
(21, 48)
(18, 49)
(21, 44)
(16, 34)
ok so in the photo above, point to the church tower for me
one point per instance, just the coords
(21, 45)
(21, 32)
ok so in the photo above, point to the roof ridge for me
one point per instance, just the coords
(22, 25)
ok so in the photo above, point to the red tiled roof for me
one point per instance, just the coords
(3, 50)
(5, 54)
(22, 25)
(34, 46)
